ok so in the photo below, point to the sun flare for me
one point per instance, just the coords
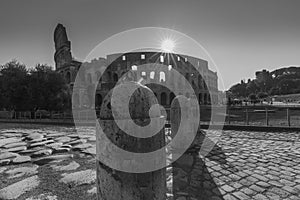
(167, 45)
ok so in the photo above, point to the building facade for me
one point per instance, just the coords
(104, 73)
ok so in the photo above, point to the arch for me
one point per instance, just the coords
(172, 96)
(98, 101)
(68, 77)
(187, 77)
(200, 98)
(200, 81)
(205, 98)
(115, 77)
(152, 75)
(163, 98)
(133, 67)
(162, 77)
(108, 77)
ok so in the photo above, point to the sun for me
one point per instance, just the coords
(167, 45)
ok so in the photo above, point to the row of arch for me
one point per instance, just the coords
(163, 98)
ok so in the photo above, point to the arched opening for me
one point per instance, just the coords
(115, 77)
(163, 98)
(172, 96)
(200, 98)
(133, 67)
(187, 76)
(98, 101)
(200, 81)
(205, 99)
(68, 77)
(162, 77)
(152, 75)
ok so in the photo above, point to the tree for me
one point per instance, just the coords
(14, 86)
(48, 89)
(262, 95)
(252, 98)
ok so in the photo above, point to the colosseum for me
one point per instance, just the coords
(204, 84)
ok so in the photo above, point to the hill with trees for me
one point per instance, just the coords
(278, 82)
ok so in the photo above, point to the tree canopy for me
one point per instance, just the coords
(39, 88)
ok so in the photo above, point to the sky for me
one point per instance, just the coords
(241, 36)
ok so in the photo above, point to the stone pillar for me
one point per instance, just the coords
(183, 167)
(118, 185)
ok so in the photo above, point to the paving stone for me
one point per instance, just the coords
(4, 162)
(260, 197)
(63, 139)
(91, 151)
(79, 178)
(34, 136)
(21, 159)
(12, 145)
(22, 171)
(92, 191)
(43, 152)
(15, 149)
(15, 190)
(41, 143)
(2, 169)
(72, 166)
(8, 155)
(9, 140)
(82, 146)
(52, 158)
(241, 195)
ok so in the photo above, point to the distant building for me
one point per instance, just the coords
(262, 76)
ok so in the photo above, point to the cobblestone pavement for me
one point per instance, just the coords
(243, 165)
(56, 163)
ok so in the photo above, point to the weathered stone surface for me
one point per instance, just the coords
(15, 149)
(22, 171)
(9, 140)
(64, 139)
(79, 178)
(21, 159)
(43, 152)
(8, 155)
(16, 144)
(2, 169)
(4, 162)
(35, 136)
(72, 166)
(92, 191)
(41, 143)
(48, 159)
(91, 151)
(82, 146)
(15, 190)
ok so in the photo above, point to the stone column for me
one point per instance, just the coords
(118, 185)
(182, 169)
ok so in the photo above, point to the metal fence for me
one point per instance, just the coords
(234, 115)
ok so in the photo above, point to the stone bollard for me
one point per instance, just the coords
(184, 165)
(116, 184)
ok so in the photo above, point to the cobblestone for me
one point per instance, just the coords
(243, 165)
